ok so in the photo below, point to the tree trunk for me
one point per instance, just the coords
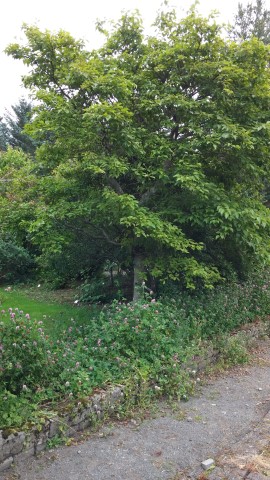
(138, 277)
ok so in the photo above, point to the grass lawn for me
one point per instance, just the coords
(55, 309)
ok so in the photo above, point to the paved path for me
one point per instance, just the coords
(228, 420)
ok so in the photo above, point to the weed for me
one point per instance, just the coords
(57, 441)
(181, 415)
(233, 350)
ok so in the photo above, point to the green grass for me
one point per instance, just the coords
(55, 310)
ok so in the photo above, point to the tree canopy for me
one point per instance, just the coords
(252, 20)
(156, 148)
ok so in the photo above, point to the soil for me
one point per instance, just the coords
(228, 420)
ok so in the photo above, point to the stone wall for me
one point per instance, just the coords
(15, 445)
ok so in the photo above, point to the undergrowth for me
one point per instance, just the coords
(143, 346)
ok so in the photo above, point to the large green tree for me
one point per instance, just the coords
(157, 145)
(252, 19)
(12, 127)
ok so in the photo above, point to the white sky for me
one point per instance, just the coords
(78, 19)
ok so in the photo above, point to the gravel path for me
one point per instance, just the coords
(228, 421)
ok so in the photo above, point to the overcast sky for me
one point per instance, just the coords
(79, 20)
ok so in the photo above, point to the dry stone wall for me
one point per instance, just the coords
(18, 445)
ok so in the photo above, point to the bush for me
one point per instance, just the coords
(26, 360)
(97, 290)
(123, 340)
(211, 313)
(105, 288)
(15, 262)
(14, 409)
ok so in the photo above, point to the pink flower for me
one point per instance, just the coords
(27, 316)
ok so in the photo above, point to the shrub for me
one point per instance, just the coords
(129, 338)
(15, 262)
(14, 409)
(26, 360)
(233, 350)
(97, 290)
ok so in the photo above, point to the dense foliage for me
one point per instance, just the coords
(15, 262)
(154, 152)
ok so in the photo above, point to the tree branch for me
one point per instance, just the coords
(147, 195)
(115, 185)
(106, 236)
